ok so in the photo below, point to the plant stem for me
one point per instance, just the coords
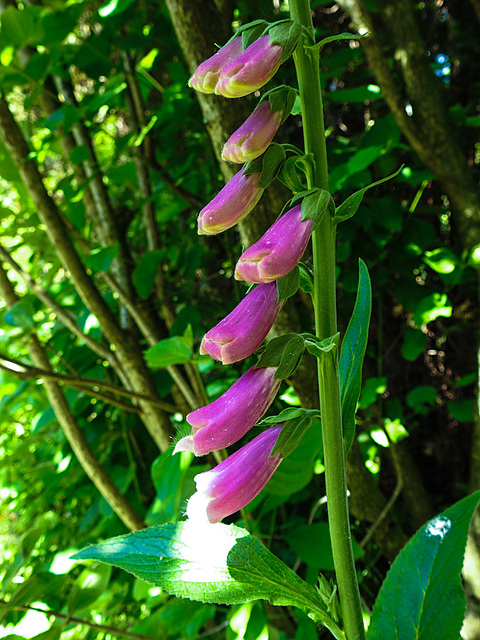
(323, 240)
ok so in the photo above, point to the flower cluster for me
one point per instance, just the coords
(240, 68)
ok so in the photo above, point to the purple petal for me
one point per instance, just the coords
(278, 250)
(207, 73)
(227, 420)
(239, 334)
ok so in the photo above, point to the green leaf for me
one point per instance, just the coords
(145, 272)
(311, 543)
(349, 207)
(289, 414)
(176, 350)
(353, 351)
(291, 435)
(209, 563)
(289, 176)
(101, 259)
(88, 587)
(284, 351)
(462, 410)
(114, 7)
(421, 397)
(422, 597)
(340, 36)
(413, 344)
(21, 313)
(316, 205)
(306, 278)
(431, 307)
(441, 260)
(319, 348)
(288, 285)
(79, 154)
(296, 471)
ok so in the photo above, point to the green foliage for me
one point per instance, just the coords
(425, 574)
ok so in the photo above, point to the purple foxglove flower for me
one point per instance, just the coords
(236, 481)
(206, 74)
(249, 71)
(251, 139)
(225, 421)
(239, 334)
(278, 250)
(237, 198)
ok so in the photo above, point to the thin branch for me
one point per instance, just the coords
(30, 373)
(70, 428)
(93, 625)
(145, 325)
(59, 311)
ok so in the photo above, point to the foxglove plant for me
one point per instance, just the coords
(240, 68)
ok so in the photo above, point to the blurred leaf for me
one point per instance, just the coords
(441, 260)
(296, 471)
(413, 344)
(176, 350)
(431, 307)
(88, 587)
(420, 398)
(311, 543)
(372, 387)
(425, 575)
(101, 259)
(145, 272)
(462, 410)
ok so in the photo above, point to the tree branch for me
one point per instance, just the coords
(70, 428)
(127, 349)
(59, 311)
(26, 372)
(93, 625)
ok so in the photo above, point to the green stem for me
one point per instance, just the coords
(323, 241)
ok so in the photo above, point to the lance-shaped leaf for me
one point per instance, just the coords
(210, 563)
(349, 208)
(422, 597)
(352, 353)
(285, 352)
(291, 435)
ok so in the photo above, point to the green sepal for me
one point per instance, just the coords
(306, 278)
(286, 34)
(289, 177)
(327, 590)
(352, 353)
(288, 285)
(340, 36)
(319, 348)
(315, 206)
(281, 98)
(250, 32)
(284, 353)
(289, 414)
(268, 164)
(291, 435)
(348, 208)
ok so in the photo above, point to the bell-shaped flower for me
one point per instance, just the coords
(237, 198)
(249, 71)
(240, 333)
(227, 419)
(278, 250)
(253, 137)
(236, 481)
(206, 74)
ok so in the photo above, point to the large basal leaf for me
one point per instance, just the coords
(422, 597)
(209, 563)
(353, 352)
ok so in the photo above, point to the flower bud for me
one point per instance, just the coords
(239, 334)
(206, 74)
(227, 420)
(278, 250)
(249, 71)
(252, 138)
(236, 481)
(237, 198)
